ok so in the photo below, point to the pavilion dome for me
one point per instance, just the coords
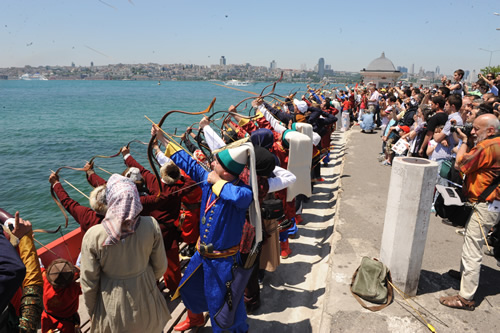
(381, 64)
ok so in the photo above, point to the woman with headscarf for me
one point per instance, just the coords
(121, 260)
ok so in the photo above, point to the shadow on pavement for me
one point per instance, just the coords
(275, 326)
(288, 299)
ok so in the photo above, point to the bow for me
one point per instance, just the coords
(58, 203)
(153, 139)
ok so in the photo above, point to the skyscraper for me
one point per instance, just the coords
(438, 70)
(321, 68)
(272, 65)
(222, 61)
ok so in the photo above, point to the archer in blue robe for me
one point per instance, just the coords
(223, 209)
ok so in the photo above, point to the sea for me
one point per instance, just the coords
(45, 125)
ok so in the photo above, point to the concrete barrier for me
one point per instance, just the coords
(406, 222)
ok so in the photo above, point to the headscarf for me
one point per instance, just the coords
(124, 206)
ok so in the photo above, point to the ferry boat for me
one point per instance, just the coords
(33, 77)
(237, 83)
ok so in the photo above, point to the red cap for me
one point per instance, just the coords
(405, 129)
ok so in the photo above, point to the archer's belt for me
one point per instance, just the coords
(207, 250)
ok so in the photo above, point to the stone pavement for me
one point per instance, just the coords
(358, 226)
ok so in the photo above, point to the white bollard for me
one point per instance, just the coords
(407, 219)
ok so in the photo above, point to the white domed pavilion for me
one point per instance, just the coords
(381, 72)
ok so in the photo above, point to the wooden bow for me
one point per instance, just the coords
(57, 201)
(151, 158)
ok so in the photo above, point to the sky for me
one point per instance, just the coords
(348, 35)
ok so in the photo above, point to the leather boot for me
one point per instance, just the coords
(192, 320)
(285, 249)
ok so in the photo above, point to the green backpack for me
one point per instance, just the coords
(369, 282)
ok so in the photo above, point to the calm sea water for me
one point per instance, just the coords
(48, 124)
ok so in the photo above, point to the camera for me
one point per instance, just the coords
(466, 129)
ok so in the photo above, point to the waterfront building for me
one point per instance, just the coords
(381, 72)
(321, 68)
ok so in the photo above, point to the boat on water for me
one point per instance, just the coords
(33, 77)
(67, 247)
(237, 83)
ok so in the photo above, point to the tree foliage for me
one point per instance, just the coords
(490, 69)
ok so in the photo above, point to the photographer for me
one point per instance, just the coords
(490, 80)
(481, 165)
(445, 139)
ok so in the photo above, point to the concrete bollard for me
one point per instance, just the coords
(407, 219)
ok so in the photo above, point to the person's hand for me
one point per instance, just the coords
(154, 130)
(444, 143)
(496, 107)
(88, 167)
(204, 122)
(183, 136)
(256, 102)
(21, 227)
(158, 133)
(232, 108)
(213, 177)
(461, 135)
(125, 151)
(53, 178)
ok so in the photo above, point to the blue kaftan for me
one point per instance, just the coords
(203, 285)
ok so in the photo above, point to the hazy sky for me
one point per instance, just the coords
(348, 34)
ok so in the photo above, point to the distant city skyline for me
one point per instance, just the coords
(58, 32)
